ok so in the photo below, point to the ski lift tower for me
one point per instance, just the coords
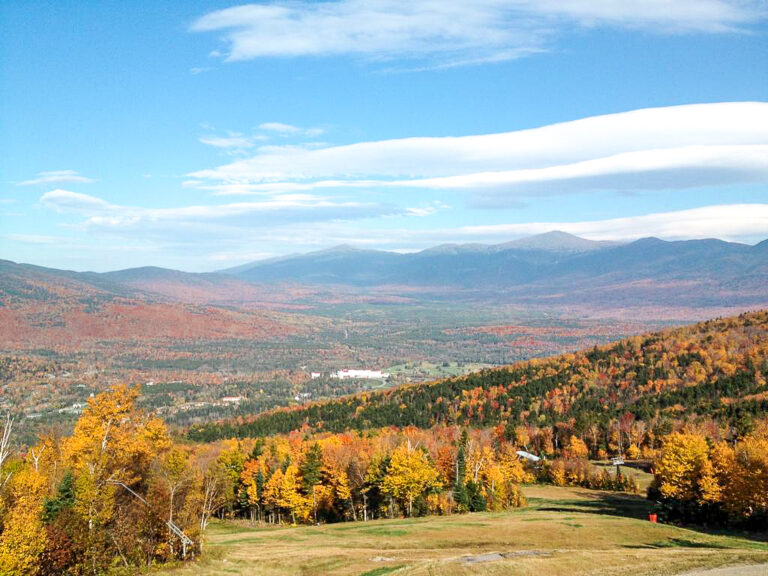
(186, 541)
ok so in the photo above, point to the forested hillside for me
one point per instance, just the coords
(715, 369)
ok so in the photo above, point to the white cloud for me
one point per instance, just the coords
(730, 221)
(221, 219)
(240, 256)
(424, 211)
(66, 201)
(290, 130)
(452, 32)
(238, 142)
(736, 222)
(279, 127)
(34, 238)
(649, 149)
(57, 177)
(669, 16)
(684, 167)
(231, 141)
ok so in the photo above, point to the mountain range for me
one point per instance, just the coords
(555, 257)
(548, 268)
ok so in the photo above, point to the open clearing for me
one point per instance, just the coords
(562, 531)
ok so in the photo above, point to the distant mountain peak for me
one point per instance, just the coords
(557, 241)
(453, 248)
(340, 248)
(761, 245)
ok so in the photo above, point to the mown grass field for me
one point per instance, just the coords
(569, 531)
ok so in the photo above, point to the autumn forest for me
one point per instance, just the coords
(124, 492)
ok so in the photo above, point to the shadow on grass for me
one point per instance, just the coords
(632, 506)
(679, 543)
(383, 570)
(621, 505)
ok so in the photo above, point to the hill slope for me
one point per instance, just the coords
(24, 283)
(205, 288)
(44, 307)
(717, 368)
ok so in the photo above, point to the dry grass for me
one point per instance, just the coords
(572, 531)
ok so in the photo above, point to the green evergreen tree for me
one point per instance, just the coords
(460, 495)
(311, 473)
(476, 499)
(258, 449)
(65, 498)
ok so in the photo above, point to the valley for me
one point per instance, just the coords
(256, 333)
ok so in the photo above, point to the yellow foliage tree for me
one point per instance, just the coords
(743, 472)
(112, 442)
(683, 468)
(291, 497)
(577, 448)
(23, 539)
(409, 475)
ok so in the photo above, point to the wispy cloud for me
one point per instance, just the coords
(650, 149)
(289, 129)
(279, 127)
(675, 168)
(57, 177)
(730, 221)
(452, 32)
(222, 219)
(232, 140)
(240, 256)
(736, 222)
(237, 143)
(33, 238)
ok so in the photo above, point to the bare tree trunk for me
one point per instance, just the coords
(5, 444)
(170, 519)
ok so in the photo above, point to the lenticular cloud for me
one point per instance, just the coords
(650, 149)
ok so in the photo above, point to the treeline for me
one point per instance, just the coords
(701, 480)
(377, 474)
(120, 495)
(716, 369)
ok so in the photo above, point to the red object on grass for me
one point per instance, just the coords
(653, 518)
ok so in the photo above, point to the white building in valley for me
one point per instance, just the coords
(360, 374)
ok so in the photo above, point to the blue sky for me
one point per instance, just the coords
(201, 135)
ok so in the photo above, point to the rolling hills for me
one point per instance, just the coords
(44, 307)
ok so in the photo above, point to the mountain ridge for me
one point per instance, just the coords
(550, 268)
